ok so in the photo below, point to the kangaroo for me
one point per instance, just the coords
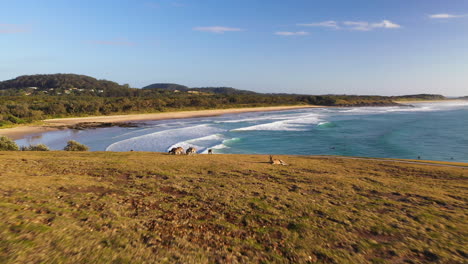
(176, 151)
(191, 151)
(210, 151)
(277, 161)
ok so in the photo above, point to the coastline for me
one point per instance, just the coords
(426, 101)
(62, 123)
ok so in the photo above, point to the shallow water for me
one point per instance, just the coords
(432, 131)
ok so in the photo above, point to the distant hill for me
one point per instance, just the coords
(419, 97)
(57, 84)
(54, 84)
(222, 90)
(166, 86)
(463, 98)
(62, 81)
(65, 83)
(183, 88)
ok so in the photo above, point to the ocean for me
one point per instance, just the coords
(430, 131)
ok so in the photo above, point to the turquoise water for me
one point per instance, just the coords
(432, 131)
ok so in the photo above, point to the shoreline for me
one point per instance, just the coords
(49, 125)
(427, 101)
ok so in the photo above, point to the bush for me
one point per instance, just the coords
(15, 120)
(7, 144)
(40, 147)
(75, 146)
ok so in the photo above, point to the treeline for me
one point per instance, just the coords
(35, 97)
(419, 97)
(46, 82)
(181, 88)
(26, 109)
(73, 84)
(8, 144)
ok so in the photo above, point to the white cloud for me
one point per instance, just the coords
(217, 29)
(358, 25)
(366, 26)
(11, 29)
(444, 16)
(386, 24)
(288, 33)
(330, 24)
(353, 25)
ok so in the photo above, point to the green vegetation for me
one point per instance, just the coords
(56, 84)
(416, 97)
(155, 208)
(182, 88)
(40, 147)
(75, 146)
(7, 144)
(167, 86)
(36, 97)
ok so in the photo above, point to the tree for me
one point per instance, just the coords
(40, 147)
(75, 146)
(7, 144)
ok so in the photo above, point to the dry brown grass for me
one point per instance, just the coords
(59, 207)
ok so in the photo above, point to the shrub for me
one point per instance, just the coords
(75, 146)
(7, 144)
(15, 120)
(40, 147)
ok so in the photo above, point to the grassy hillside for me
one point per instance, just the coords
(144, 207)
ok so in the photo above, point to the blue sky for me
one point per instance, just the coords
(296, 46)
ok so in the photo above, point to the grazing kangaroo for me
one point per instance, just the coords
(191, 151)
(277, 161)
(210, 151)
(176, 151)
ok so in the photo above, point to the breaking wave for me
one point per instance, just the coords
(162, 140)
(298, 124)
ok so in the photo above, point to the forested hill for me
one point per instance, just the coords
(166, 86)
(222, 90)
(61, 83)
(419, 97)
(183, 88)
(74, 84)
(30, 98)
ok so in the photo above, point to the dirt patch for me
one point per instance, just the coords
(173, 191)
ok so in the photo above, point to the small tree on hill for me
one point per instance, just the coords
(7, 144)
(40, 147)
(75, 146)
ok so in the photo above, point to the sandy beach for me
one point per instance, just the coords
(59, 123)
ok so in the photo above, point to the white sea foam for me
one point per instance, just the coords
(162, 140)
(274, 116)
(300, 123)
(222, 145)
(254, 119)
(214, 148)
(200, 143)
(419, 107)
